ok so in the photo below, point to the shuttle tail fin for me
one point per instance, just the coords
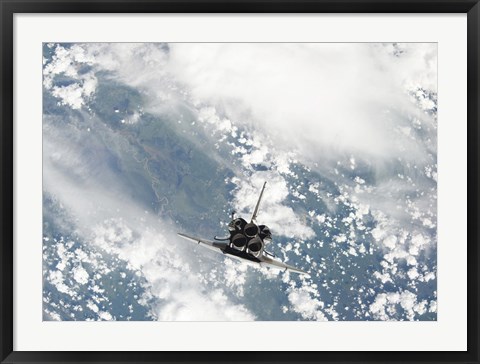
(255, 212)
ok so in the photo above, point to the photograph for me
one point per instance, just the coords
(239, 181)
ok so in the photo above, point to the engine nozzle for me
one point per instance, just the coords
(265, 232)
(239, 241)
(236, 225)
(255, 246)
(251, 230)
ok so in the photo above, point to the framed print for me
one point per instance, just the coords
(255, 182)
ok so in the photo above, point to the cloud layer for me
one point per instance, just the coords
(316, 98)
(344, 134)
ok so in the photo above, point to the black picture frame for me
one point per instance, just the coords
(9, 7)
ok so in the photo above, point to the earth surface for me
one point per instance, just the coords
(141, 141)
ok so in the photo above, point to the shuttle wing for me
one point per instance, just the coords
(273, 263)
(220, 246)
(215, 245)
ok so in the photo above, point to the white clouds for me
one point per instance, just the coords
(319, 99)
(70, 95)
(167, 268)
(418, 243)
(191, 306)
(80, 275)
(209, 115)
(235, 275)
(105, 316)
(387, 304)
(281, 219)
(106, 216)
(309, 308)
(312, 97)
(140, 65)
(401, 244)
(67, 62)
(339, 109)
(390, 241)
(57, 279)
(92, 306)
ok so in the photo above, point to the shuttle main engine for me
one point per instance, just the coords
(239, 241)
(251, 230)
(246, 241)
(255, 246)
(249, 237)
